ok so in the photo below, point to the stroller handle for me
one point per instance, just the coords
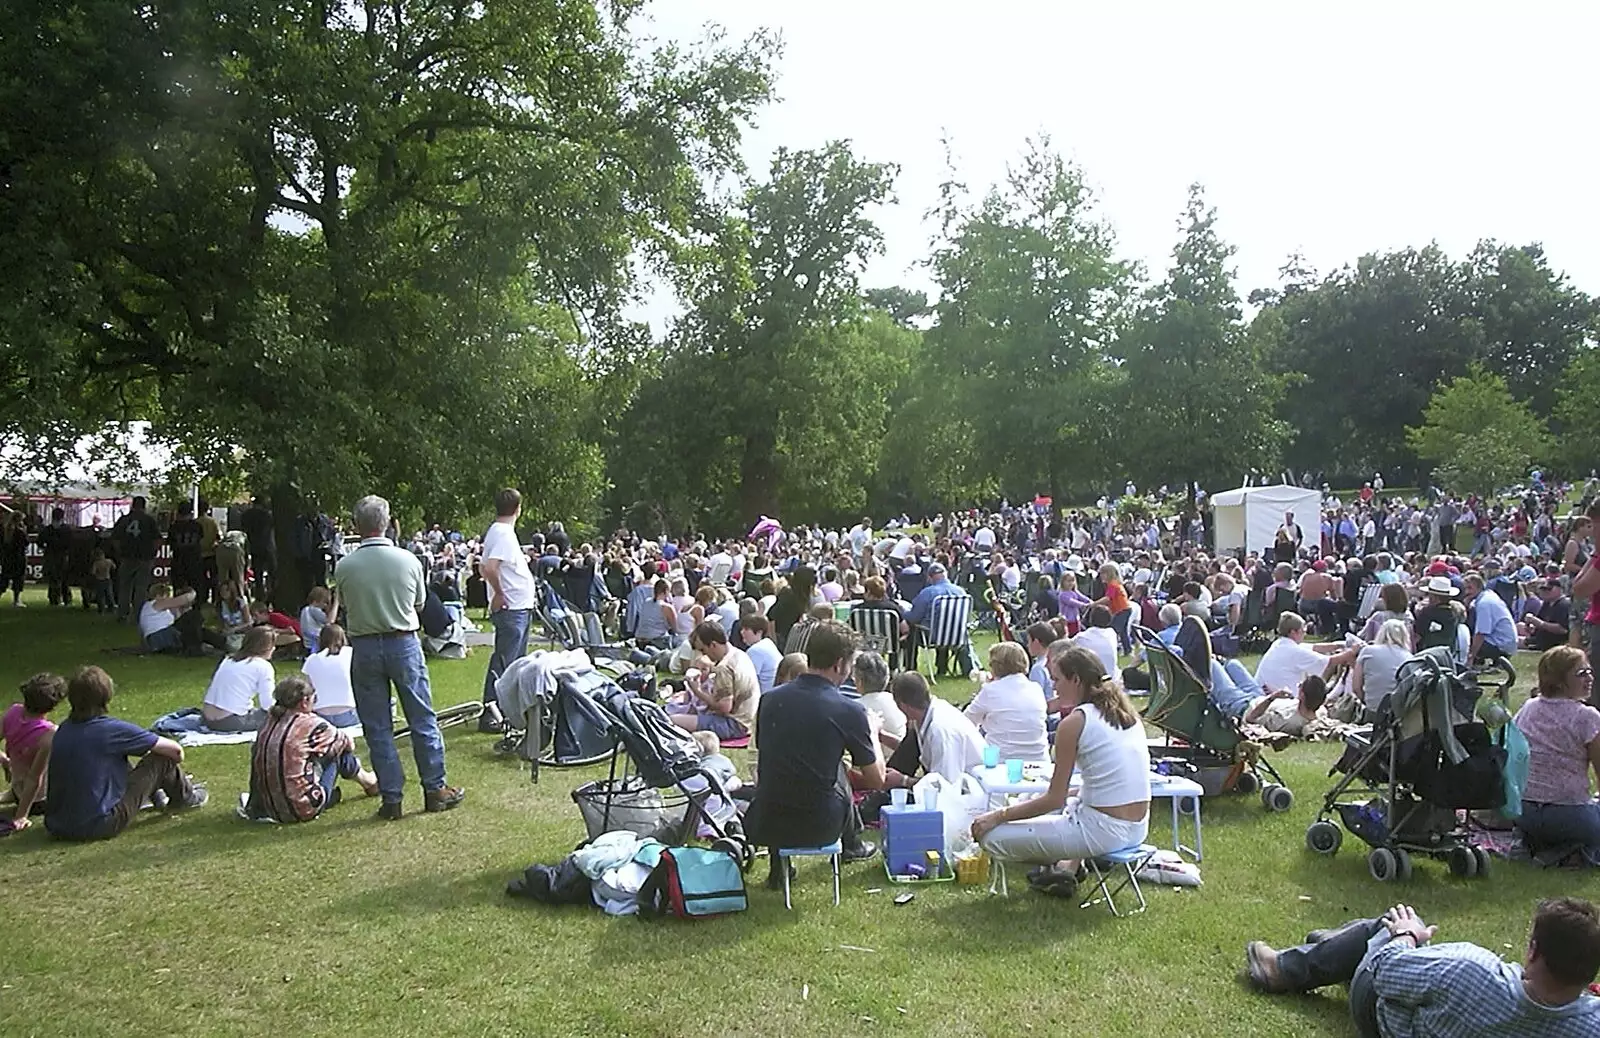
(1502, 667)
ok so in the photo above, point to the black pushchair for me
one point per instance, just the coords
(1411, 779)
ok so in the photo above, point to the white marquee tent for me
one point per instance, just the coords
(1250, 516)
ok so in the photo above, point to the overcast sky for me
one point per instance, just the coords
(1334, 129)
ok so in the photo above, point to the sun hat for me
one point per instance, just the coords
(1526, 574)
(1441, 586)
(1438, 568)
(1321, 565)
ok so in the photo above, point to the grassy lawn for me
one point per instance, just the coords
(200, 924)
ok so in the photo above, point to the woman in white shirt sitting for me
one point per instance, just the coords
(1009, 708)
(328, 670)
(242, 681)
(1104, 740)
(1099, 638)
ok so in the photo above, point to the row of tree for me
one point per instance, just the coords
(388, 244)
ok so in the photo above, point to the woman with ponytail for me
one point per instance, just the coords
(299, 757)
(1102, 738)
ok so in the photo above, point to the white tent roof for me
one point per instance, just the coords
(1250, 516)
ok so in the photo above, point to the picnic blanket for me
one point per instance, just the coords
(185, 728)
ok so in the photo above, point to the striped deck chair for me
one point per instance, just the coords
(880, 632)
(799, 636)
(948, 626)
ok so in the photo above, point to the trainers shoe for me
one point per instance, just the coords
(1262, 963)
(196, 797)
(158, 800)
(443, 798)
(390, 810)
(490, 725)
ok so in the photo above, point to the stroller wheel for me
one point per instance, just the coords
(1324, 837)
(1277, 798)
(1382, 864)
(1402, 863)
(1463, 862)
(1483, 861)
(1246, 783)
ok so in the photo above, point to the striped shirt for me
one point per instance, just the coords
(286, 765)
(1462, 991)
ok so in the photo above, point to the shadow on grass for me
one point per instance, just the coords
(1322, 1010)
(429, 895)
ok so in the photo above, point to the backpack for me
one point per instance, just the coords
(693, 883)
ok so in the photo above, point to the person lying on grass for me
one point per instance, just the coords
(298, 758)
(28, 731)
(1100, 736)
(1400, 985)
(93, 792)
(1289, 712)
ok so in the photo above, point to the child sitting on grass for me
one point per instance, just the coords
(322, 608)
(27, 733)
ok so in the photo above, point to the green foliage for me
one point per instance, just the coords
(1480, 436)
(784, 375)
(1031, 297)
(1371, 340)
(1197, 382)
(1577, 412)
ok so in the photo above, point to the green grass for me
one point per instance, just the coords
(200, 924)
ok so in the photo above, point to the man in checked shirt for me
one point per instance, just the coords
(1402, 987)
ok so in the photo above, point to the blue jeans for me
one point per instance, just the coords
(510, 645)
(1554, 826)
(1232, 687)
(377, 661)
(346, 765)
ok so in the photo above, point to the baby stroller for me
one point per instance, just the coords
(1410, 777)
(664, 790)
(1213, 749)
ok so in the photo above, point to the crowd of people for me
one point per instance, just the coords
(761, 636)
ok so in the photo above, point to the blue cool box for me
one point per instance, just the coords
(909, 833)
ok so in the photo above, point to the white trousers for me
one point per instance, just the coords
(1077, 832)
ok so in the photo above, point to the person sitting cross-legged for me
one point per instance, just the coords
(298, 758)
(93, 792)
(1100, 737)
(1403, 986)
(804, 728)
(725, 701)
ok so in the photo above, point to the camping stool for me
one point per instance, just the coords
(831, 851)
(1122, 866)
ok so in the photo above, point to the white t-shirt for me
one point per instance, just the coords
(883, 704)
(152, 619)
(330, 676)
(1010, 711)
(764, 656)
(983, 538)
(516, 580)
(1286, 663)
(1103, 641)
(947, 742)
(239, 684)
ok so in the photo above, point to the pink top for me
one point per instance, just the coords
(1559, 732)
(22, 734)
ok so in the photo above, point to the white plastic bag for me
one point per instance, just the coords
(960, 802)
(1168, 868)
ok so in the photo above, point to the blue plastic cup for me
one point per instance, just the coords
(1013, 770)
(991, 756)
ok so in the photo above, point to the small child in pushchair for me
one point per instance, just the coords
(1410, 779)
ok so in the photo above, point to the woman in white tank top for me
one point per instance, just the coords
(1102, 738)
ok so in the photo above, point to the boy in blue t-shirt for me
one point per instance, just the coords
(93, 792)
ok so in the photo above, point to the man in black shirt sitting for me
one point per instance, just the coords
(1546, 627)
(803, 730)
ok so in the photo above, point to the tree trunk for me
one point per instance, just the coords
(758, 479)
(292, 581)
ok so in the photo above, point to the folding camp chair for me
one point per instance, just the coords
(949, 620)
(880, 632)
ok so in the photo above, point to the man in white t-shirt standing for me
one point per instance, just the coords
(505, 570)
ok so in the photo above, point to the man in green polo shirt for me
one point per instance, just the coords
(382, 587)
